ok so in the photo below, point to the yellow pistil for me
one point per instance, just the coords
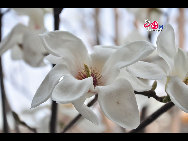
(87, 70)
(186, 80)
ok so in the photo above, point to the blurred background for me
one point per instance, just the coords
(105, 26)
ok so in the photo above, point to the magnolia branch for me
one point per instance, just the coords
(3, 95)
(152, 94)
(17, 119)
(54, 107)
(153, 117)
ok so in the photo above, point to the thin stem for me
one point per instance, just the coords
(150, 94)
(97, 25)
(70, 124)
(3, 95)
(18, 121)
(143, 116)
(153, 117)
(54, 108)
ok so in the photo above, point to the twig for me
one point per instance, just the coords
(116, 26)
(150, 94)
(17, 119)
(153, 117)
(54, 108)
(97, 25)
(3, 95)
(70, 124)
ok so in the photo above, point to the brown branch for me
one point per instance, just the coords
(116, 26)
(97, 25)
(53, 119)
(17, 119)
(71, 124)
(153, 117)
(151, 94)
(3, 95)
(181, 25)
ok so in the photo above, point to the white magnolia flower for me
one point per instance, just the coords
(174, 63)
(177, 62)
(23, 40)
(84, 75)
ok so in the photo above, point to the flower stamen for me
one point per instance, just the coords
(90, 72)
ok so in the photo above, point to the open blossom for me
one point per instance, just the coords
(23, 40)
(177, 62)
(174, 63)
(78, 75)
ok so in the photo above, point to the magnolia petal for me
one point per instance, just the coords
(180, 64)
(154, 58)
(36, 16)
(118, 103)
(146, 70)
(101, 54)
(54, 59)
(166, 45)
(70, 89)
(66, 45)
(48, 84)
(16, 53)
(177, 90)
(13, 38)
(137, 84)
(85, 111)
(33, 50)
(125, 56)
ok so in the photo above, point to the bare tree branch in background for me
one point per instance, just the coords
(116, 26)
(3, 94)
(181, 25)
(18, 121)
(153, 117)
(97, 25)
(53, 120)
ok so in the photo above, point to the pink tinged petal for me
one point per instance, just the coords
(125, 56)
(48, 84)
(118, 102)
(14, 38)
(85, 111)
(138, 85)
(180, 64)
(178, 92)
(36, 16)
(166, 45)
(146, 70)
(71, 89)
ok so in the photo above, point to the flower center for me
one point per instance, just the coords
(90, 72)
(186, 80)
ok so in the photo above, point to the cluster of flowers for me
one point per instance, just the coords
(112, 72)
